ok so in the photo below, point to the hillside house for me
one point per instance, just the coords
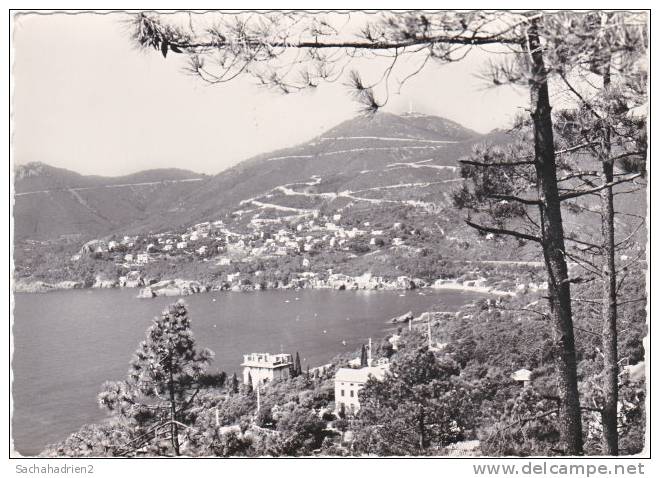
(203, 227)
(523, 375)
(349, 382)
(394, 340)
(94, 246)
(142, 258)
(181, 245)
(264, 367)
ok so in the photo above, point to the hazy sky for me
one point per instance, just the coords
(86, 99)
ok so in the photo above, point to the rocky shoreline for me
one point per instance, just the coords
(182, 287)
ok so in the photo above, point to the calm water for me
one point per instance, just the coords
(68, 343)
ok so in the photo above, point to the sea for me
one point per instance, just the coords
(66, 344)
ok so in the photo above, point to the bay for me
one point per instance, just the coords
(67, 343)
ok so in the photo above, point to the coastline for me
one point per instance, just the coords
(183, 287)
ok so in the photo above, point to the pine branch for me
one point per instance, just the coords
(522, 422)
(506, 232)
(528, 159)
(578, 194)
(506, 197)
(203, 46)
(631, 235)
(631, 301)
(496, 164)
(588, 245)
(628, 154)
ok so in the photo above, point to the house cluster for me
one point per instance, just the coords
(202, 240)
(317, 233)
(255, 240)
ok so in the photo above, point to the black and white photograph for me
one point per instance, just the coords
(330, 234)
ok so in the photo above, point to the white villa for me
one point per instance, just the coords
(349, 382)
(263, 367)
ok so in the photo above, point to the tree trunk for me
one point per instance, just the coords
(174, 429)
(422, 435)
(552, 233)
(609, 334)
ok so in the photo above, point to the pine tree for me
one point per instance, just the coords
(222, 379)
(612, 47)
(249, 387)
(297, 369)
(233, 385)
(363, 356)
(165, 376)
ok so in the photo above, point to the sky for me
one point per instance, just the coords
(86, 99)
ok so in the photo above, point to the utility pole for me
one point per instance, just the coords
(369, 359)
(429, 329)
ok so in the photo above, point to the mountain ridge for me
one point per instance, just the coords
(37, 175)
(361, 153)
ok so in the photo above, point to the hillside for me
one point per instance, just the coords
(360, 162)
(371, 195)
(363, 161)
(53, 202)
